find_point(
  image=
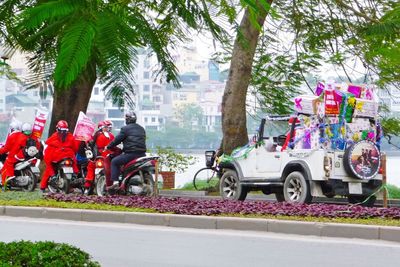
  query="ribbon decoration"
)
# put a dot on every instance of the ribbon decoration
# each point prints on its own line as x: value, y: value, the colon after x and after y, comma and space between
x: 239, y: 152
x: 359, y: 105
x: 297, y: 102
x: 307, y: 139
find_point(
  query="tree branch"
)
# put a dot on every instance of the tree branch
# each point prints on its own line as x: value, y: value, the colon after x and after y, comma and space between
x: 355, y: 11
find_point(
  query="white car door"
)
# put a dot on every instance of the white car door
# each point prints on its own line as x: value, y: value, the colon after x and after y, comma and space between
x: 268, y: 164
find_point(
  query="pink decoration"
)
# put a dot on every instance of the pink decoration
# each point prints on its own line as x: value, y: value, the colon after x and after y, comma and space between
x: 320, y: 89
x: 84, y: 128
x: 331, y: 103
x: 338, y: 96
x: 371, y: 136
x: 355, y: 90
x: 368, y: 94
x: 39, y: 123
x: 297, y: 102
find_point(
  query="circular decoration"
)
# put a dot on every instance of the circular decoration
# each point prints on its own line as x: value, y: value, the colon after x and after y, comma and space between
x: 362, y: 160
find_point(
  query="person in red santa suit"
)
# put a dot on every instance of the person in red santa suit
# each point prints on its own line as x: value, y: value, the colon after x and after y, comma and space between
x: 101, y: 139
x: 18, y: 152
x: 15, y: 132
x: 60, y: 145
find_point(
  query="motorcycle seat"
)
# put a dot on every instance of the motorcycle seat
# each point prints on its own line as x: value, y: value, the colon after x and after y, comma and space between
x: 139, y: 160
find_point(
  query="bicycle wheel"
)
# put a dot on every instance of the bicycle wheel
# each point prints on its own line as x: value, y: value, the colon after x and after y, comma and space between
x: 205, y: 179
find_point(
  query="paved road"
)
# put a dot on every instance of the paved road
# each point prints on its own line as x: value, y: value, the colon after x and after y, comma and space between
x: 115, y: 244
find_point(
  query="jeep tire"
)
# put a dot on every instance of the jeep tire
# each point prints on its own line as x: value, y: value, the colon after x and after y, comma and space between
x: 296, y: 188
x: 231, y: 188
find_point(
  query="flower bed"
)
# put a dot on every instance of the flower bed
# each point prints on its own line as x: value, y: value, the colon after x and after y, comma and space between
x: 221, y: 207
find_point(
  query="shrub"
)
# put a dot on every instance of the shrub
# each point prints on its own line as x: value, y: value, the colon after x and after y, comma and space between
x: 172, y: 161
x: 42, y: 253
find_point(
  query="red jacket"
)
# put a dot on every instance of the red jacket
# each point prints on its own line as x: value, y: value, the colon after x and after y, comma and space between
x: 102, y: 141
x: 19, y: 151
x: 57, y: 149
x: 10, y: 143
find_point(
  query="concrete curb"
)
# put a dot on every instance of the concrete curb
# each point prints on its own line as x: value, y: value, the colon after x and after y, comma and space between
x: 371, y: 232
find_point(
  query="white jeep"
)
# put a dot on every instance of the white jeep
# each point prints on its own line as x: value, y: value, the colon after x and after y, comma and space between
x: 300, y: 174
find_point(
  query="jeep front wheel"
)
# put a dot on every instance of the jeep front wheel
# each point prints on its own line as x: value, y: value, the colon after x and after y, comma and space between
x: 296, y: 188
x: 230, y: 187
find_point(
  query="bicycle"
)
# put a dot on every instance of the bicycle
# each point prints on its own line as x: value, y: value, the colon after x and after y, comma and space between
x: 207, y: 178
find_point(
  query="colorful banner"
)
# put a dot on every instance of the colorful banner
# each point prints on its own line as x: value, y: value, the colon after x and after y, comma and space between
x: 84, y: 128
x: 331, y: 102
x: 39, y: 123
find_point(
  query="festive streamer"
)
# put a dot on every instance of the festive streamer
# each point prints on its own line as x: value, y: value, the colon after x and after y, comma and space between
x: 239, y: 153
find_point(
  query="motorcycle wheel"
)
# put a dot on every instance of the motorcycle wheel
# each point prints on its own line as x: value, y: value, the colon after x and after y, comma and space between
x: 62, y: 184
x: 66, y: 186
x: 100, y: 186
x: 32, y: 183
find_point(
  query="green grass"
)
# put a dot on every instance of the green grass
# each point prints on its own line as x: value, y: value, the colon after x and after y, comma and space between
x: 202, y: 185
x: 35, y: 199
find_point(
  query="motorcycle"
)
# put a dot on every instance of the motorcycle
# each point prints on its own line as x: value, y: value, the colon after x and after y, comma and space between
x: 26, y: 175
x: 61, y: 182
x: 136, y: 178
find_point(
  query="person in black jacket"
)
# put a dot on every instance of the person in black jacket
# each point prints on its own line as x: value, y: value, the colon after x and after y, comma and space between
x: 133, y: 138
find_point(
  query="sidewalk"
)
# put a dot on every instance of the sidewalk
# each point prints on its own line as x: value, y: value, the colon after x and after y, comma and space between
x: 385, y: 233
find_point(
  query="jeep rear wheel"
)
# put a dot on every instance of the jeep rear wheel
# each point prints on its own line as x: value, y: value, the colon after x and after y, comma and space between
x: 230, y: 187
x: 296, y: 188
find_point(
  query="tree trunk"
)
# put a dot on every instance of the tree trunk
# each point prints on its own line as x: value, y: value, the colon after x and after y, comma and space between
x: 68, y: 103
x: 234, y: 100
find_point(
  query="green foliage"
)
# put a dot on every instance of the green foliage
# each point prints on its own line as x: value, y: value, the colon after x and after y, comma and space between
x: 43, y: 253
x: 393, y: 192
x: 5, y: 70
x: 391, y: 126
x: 300, y: 38
x: 190, y: 115
x: 172, y: 161
x: 23, y: 196
x: 68, y: 38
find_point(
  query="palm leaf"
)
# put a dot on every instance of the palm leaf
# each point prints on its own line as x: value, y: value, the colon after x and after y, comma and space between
x: 34, y: 17
x: 75, y: 51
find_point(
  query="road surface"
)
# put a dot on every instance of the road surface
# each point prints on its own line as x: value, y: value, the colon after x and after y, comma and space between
x: 114, y: 244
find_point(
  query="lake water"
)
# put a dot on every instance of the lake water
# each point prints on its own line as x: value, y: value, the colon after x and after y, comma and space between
x: 393, y: 170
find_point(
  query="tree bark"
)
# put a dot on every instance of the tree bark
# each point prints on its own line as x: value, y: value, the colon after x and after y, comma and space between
x: 68, y: 103
x: 234, y: 99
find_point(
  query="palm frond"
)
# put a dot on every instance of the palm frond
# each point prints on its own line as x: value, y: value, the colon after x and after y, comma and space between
x: 34, y: 17
x: 74, y: 53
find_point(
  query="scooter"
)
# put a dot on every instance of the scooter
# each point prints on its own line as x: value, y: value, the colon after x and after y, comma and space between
x: 62, y: 180
x: 136, y: 178
x: 26, y: 175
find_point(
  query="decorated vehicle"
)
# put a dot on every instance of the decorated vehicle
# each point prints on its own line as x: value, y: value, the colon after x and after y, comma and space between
x: 331, y: 147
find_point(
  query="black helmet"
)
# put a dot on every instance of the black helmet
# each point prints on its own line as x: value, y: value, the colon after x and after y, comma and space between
x: 130, y: 117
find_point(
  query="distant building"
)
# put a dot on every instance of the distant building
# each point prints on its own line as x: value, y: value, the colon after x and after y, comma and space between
x: 213, y: 71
